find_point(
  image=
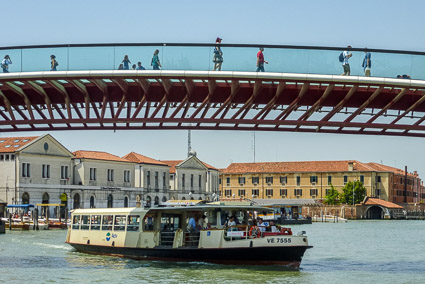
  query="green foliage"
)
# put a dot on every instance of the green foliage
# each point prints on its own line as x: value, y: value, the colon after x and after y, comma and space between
x: 347, y: 192
x: 333, y: 197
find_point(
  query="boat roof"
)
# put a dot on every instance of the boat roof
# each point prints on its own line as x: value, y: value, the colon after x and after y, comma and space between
x: 199, y: 208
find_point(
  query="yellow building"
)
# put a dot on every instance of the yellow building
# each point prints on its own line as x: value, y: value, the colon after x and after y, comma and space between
x: 313, y: 179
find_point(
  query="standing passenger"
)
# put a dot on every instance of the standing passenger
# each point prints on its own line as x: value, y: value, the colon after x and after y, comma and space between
x: 367, y: 63
x: 218, y: 55
x: 155, y: 60
x: 126, y: 63
x: 260, y: 60
x: 121, y: 67
x: 5, y: 64
x: 53, y: 63
x: 133, y: 67
x: 345, y: 64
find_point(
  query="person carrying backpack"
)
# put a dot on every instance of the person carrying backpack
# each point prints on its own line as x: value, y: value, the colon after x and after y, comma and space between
x: 53, y: 63
x: 367, y: 62
x: 343, y: 57
x: 5, y: 64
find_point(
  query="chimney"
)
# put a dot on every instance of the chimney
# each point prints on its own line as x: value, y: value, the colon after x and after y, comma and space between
x: 350, y: 166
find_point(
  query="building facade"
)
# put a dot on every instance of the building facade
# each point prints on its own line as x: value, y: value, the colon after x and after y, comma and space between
x: 40, y: 170
x: 192, y: 179
x: 313, y: 180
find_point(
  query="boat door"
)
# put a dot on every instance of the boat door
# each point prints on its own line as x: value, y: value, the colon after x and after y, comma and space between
x: 169, y: 225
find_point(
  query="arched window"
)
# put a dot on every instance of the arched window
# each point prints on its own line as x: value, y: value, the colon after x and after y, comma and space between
x: 76, y: 201
x: 191, y: 198
x: 110, y: 201
x: 164, y: 199
x: 92, y: 201
x: 148, y: 201
x: 126, y: 201
x: 25, y: 198
x: 183, y: 198
x: 156, y: 201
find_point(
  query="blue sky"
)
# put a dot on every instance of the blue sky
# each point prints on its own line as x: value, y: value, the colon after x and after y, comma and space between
x: 375, y: 23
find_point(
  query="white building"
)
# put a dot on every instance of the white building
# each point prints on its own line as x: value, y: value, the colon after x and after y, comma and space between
x: 192, y: 179
x: 37, y: 170
x: 151, y: 175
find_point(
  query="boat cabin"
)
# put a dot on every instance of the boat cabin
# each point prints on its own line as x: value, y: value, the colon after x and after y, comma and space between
x: 203, y: 226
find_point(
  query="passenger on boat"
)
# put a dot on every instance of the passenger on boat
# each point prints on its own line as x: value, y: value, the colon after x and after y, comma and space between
x: 261, y: 225
x: 273, y: 227
x: 231, y: 221
x: 192, y: 225
x: 201, y: 222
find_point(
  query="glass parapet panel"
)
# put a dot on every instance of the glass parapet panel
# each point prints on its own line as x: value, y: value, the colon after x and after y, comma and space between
x: 315, y: 60
x: 38, y: 59
x: 91, y: 58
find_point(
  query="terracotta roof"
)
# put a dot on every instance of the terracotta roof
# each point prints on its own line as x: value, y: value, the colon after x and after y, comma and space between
x: 13, y: 144
x: 383, y: 203
x: 95, y: 155
x: 137, y: 158
x: 172, y: 165
x: 309, y: 166
x: 380, y: 167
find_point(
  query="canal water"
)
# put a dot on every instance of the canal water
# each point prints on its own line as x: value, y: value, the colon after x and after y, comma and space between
x: 353, y: 252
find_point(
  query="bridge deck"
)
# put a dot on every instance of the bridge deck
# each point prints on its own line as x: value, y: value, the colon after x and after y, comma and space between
x: 227, y: 100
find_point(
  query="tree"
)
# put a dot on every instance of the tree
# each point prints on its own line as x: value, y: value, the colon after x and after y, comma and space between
x: 347, y: 192
x: 333, y: 196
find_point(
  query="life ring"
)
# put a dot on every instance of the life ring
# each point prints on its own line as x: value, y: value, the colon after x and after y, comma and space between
x: 284, y: 231
x: 255, y: 232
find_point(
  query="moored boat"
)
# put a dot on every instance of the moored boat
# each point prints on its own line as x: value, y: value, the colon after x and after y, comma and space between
x: 168, y: 233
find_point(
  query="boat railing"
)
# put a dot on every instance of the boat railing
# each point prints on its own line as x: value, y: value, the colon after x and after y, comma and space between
x: 192, y: 239
x: 167, y: 238
x: 241, y: 232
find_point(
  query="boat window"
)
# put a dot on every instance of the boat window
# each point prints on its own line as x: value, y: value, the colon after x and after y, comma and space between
x: 148, y: 223
x: 95, y: 222
x: 212, y: 218
x: 133, y: 222
x: 107, y: 222
x: 119, y: 224
x: 76, y: 222
x: 85, y: 222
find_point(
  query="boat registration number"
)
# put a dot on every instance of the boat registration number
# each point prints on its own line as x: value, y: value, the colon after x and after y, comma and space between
x: 279, y: 240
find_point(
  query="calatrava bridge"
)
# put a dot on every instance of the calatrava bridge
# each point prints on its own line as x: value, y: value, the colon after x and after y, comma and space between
x: 300, y: 91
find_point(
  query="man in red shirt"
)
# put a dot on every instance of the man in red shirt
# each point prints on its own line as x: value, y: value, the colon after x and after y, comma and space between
x: 260, y: 60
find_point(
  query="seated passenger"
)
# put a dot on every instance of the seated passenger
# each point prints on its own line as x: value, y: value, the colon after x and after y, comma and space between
x: 273, y: 228
x: 231, y: 221
x: 261, y: 225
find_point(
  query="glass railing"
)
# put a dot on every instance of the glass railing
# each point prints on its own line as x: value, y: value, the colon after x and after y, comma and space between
x: 199, y: 57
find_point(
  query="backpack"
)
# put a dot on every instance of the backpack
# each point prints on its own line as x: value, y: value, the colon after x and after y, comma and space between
x: 341, y: 57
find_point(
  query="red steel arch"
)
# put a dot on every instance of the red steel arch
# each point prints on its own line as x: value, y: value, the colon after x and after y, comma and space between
x: 80, y: 100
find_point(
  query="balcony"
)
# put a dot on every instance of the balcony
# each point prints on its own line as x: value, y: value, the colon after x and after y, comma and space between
x: 92, y: 182
x: 64, y: 181
x: 127, y: 184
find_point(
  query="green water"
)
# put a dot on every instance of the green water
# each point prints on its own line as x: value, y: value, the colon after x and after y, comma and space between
x: 353, y: 252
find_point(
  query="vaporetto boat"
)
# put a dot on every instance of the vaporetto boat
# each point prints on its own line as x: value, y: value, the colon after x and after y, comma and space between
x: 168, y: 233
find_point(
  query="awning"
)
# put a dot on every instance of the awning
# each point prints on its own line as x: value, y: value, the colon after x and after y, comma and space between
x: 46, y: 204
x: 20, y: 206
